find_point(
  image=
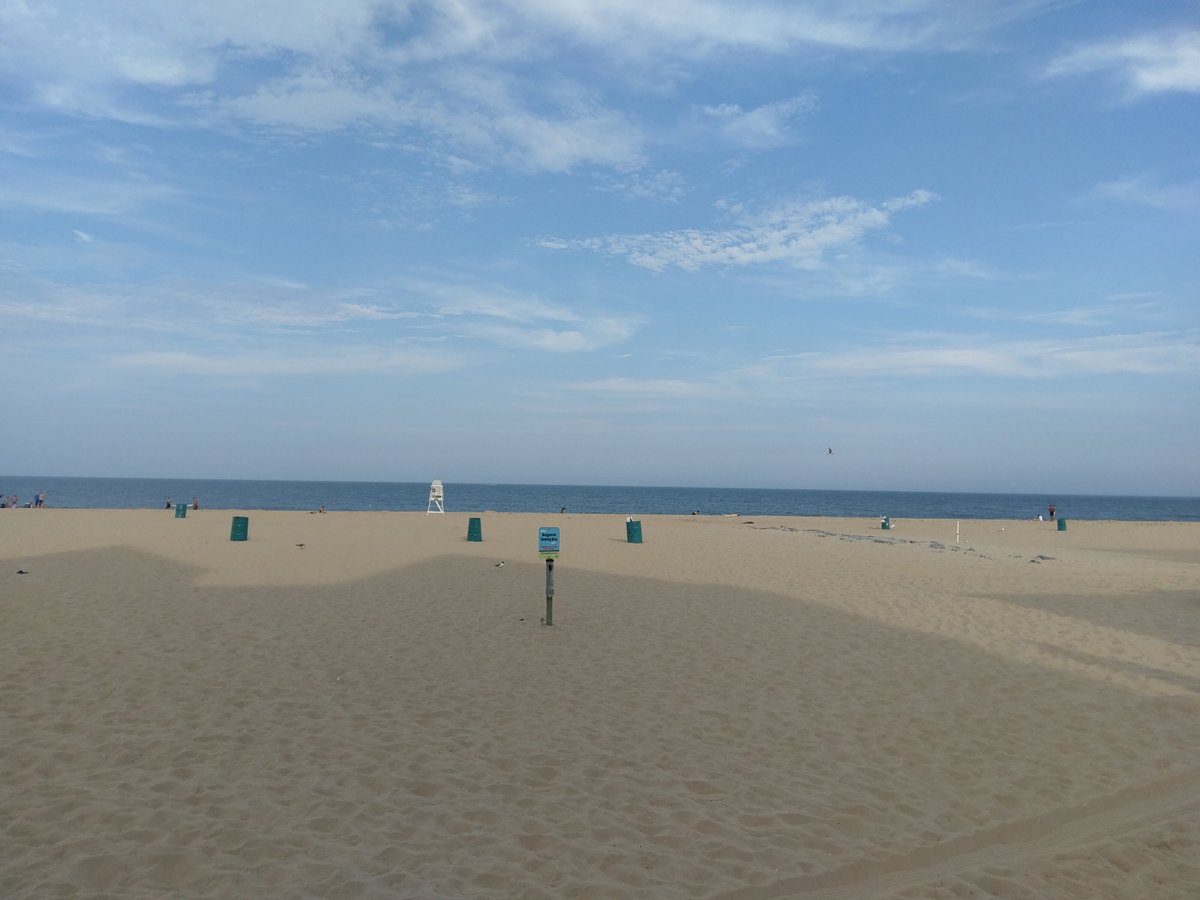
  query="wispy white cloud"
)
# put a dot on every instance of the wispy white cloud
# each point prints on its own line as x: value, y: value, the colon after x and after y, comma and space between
x: 316, y: 101
x: 530, y: 322
x: 303, y: 330
x: 699, y: 27
x: 188, y: 308
x: 587, y: 137
x: 23, y: 144
x: 967, y: 268
x: 348, y: 360
x: 472, y: 73
x: 26, y: 301
x: 306, y: 316
x: 656, y: 388
x: 82, y: 195
x: 663, y: 185
x: 1151, y: 63
x: 592, y: 334
x: 763, y: 127
x: 285, y: 311
x: 1154, y: 353
x: 1099, y: 315
x: 1144, y: 189
x: 779, y: 378
x: 466, y: 300
x: 477, y: 121
x: 798, y: 232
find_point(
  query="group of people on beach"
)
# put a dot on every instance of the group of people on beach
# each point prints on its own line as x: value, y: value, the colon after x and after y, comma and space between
x: 195, y: 503
x: 14, y: 502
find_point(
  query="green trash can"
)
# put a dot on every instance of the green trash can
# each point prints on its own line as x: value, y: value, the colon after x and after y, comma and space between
x: 885, y: 522
x: 633, y: 532
x: 474, y: 529
x: 241, y: 528
x: 1062, y: 524
x: 181, y: 510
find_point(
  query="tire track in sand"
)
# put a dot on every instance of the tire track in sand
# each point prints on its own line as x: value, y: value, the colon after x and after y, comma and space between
x: 1004, y: 845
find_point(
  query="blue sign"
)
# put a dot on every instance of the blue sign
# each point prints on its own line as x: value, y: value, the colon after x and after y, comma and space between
x: 548, y: 542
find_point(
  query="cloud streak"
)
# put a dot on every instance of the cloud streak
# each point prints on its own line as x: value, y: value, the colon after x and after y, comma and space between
x: 529, y: 322
x: 1152, y: 353
x: 764, y: 127
x: 348, y: 360
x: 657, y: 388
x: 1144, y: 189
x: 283, y: 311
x: 84, y: 195
x: 798, y: 233
x: 1154, y: 63
x: 778, y: 378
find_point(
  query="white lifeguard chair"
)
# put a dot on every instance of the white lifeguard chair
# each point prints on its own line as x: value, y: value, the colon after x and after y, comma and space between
x: 436, y: 496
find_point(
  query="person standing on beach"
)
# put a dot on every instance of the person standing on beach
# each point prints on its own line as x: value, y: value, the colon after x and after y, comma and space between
x: 195, y: 503
x: 40, y: 500
x: 1050, y: 509
x: 169, y: 504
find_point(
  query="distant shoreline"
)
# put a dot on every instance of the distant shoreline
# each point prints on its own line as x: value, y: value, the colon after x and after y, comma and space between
x: 117, y: 493
x: 747, y: 518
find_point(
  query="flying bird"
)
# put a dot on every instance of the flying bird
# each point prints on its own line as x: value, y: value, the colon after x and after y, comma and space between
x: 830, y: 453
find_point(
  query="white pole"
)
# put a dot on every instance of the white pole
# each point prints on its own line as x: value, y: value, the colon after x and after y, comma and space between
x: 956, y: 530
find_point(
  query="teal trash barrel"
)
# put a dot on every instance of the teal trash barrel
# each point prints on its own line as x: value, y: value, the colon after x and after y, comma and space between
x: 633, y: 532
x: 181, y: 510
x: 1062, y: 524
x: 475, y: 529
x: 241, y: 528
x: 885, y: 522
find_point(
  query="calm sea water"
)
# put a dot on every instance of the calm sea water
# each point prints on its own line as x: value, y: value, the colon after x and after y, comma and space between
x: 134, y: 493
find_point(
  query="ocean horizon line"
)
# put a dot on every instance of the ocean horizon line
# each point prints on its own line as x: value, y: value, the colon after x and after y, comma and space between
x: 175, y: 479
x: 112, y: 492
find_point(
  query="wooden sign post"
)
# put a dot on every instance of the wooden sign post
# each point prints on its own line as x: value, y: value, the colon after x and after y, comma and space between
x: 548, y: 546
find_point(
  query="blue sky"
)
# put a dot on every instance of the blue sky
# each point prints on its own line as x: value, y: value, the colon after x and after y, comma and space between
x: 604, y: 242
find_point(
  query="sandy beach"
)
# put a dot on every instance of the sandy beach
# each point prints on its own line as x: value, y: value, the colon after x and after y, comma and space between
x: 366, y: 705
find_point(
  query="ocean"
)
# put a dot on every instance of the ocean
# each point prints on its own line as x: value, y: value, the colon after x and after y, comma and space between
x: 137, y: 493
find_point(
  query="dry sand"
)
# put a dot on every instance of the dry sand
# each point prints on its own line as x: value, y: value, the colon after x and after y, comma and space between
x: 365, y: 705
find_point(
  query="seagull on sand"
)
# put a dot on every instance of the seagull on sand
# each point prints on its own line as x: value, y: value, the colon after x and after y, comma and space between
x: 500, y: 565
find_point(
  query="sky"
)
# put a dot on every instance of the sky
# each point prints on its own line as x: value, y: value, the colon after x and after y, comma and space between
x: 604, y: 242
